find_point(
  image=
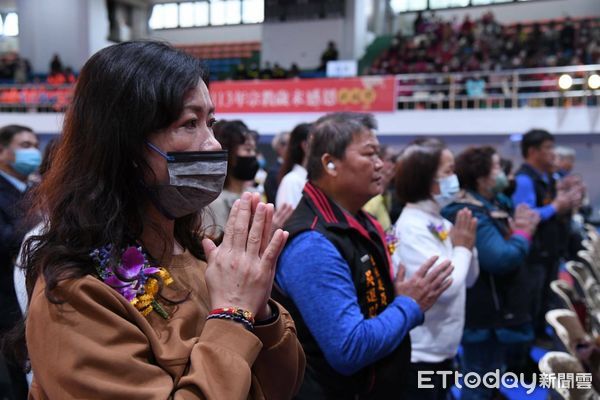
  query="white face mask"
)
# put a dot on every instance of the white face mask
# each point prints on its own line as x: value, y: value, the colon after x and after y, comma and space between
x: 449, y: 187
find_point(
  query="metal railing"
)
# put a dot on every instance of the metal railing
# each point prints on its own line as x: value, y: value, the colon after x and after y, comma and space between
x: 533, y: 87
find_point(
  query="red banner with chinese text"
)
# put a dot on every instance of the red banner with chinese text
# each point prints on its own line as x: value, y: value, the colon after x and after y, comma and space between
x: 366, y: 94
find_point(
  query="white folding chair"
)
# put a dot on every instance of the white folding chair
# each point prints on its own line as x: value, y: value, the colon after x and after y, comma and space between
x: 556, y: 362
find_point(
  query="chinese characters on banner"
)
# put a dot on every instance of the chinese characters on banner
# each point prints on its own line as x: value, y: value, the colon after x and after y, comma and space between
x: 366, y: 94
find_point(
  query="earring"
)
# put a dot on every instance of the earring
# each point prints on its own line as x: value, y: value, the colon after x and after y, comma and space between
x: 330, y: 166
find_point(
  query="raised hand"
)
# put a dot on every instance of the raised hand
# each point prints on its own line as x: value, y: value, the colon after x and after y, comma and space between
x: 241, y: 269
x: 562, y: 202
x: 525, y: 219
x: 464, y: 231
x: 425, y: 287
x: 282, y: 213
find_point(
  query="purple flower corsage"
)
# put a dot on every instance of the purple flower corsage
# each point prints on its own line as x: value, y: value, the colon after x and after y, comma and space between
x: 438, y: 231
x: 391, y: 240
x: 134, y: 278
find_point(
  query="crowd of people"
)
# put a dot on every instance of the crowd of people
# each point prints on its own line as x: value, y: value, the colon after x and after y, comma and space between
x: 157, y: 270
x: 438, y: 45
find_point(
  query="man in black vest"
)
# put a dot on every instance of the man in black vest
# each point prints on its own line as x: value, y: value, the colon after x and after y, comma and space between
x: 334, y: 276
x: 536, y: 187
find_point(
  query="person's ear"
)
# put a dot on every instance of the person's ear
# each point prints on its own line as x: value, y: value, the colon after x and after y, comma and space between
x: 329, y: 165
x: 3, y: 153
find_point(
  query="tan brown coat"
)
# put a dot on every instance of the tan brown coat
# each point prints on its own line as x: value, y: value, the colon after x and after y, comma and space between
x: 96, y: 345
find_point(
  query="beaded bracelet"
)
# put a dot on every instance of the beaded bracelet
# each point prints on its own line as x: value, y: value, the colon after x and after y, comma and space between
x: 234, y: 314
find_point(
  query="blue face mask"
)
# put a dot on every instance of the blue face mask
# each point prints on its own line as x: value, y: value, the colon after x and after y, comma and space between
x: 27, y: 160
x: 449, y: 187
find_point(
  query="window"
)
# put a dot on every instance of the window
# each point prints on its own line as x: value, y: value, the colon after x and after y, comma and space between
x: 207, y: 12
x: 437, y: 4
x: 186, y: 15
x: 217, y: 12
x: 170, y: 12
x: 164, y: 16
x: 201, y: 16
x: 253, y: 11
x: 233, y: 12
x: 11, y: 24
x: 408, y: 5
x: 155, y: 21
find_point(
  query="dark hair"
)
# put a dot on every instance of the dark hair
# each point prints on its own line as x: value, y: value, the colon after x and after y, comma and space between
x: 332, y: 134
x: 94, y: 194
x: 294, y: 153
x: 416, y: 170
x: 507, y: 165
x: 473, y: 163
x: 48, y: 155
x: 231, y: 135
x: 8, y: 132
x: 534, y: 138
x: 254, y: 134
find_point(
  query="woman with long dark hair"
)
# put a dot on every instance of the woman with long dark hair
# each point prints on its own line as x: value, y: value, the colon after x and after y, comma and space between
x: 292, y: 175
x: 122, y: 304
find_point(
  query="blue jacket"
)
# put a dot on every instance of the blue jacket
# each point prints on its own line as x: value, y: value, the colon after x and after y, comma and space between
x: 499, y: 297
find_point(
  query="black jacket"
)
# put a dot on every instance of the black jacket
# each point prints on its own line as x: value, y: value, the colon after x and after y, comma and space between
x: 11, y: 234
x: 361, y: 242
x: 548, y: 241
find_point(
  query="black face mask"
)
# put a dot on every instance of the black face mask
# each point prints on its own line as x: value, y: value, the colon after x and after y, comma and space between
x: 245, y: 168
x: 195, y: 179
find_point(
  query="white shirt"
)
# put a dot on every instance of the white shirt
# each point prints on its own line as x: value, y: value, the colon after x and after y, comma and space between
x: 19, y: 277
x: 291, y: 187
x: 439, y: 336
x: 18, y: 184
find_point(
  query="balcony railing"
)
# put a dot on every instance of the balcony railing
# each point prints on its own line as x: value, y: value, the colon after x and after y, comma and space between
x: 535, y: 87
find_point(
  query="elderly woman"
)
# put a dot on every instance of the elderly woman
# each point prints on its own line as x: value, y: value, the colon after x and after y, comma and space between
x: 353, y: 316
x: 122, y: 303
x: 498, y: 305
x: 425, y: 180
